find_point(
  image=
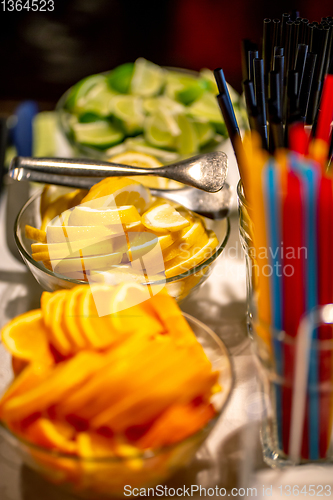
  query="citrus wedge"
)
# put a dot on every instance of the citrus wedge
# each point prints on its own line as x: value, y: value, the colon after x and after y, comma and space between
x: 86, y: 216
x: 32, y: 233
x: 147, y: 78
x: 164, y: 218
x: 65, y: 234
x: 26, y: 337
x: 52, y: 305
x: 194, y: 234
x: 178, y: 265
x: 45, y: 433
x: 124, y: 190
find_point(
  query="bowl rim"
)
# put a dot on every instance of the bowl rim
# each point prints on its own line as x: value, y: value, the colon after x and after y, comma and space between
x: 149, y: 453
x: 26, y: 255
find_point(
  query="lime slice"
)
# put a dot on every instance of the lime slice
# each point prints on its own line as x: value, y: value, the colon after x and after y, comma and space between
x: 161, y: 129
x: 147, y: 79
x: 192, y: 92
x: 97, y: 100
x: 81, y: 89
x: 206, y: 109
x: 141, y: 145
x: 128, y: 110
x: 205, y: 132
x: 99, y: 134
x: 208, y: 76
x: 153, y: 104
x: 120, y: 78
x: 176, y: 82
x: 187, y: 142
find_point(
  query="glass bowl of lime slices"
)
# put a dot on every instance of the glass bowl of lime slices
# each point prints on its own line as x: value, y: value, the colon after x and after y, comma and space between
x: 165, y: 112
x: 190, y: 271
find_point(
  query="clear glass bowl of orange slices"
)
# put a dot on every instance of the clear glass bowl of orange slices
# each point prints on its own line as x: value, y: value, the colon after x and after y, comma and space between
x: 117, y: 232
x: 101, y: 401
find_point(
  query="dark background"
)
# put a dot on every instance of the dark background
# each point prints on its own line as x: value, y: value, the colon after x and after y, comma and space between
x: 42, y: 54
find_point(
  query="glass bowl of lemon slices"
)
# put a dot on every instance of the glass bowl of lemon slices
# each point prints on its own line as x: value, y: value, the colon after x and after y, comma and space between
x: 165, y: 112
x: 101, y: 427
x: 114, y: 233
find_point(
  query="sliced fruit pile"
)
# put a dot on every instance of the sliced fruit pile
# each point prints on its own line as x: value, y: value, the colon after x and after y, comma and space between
x: 118, y: 232
x: 141, y: 106
x: 112, y: 385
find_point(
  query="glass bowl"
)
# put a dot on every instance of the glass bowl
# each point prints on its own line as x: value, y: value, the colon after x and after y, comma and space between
x: 99, y: 478
x: 178, y: 286
x: 165, y: 155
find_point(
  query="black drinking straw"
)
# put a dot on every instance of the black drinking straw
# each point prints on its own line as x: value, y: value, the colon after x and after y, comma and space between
x: 278, y: 51
x: 289, y: 25
x: 320, y: 39
x: 329, y: 52
x: 246, y: 46
x: 226, y: 107
x: 305, y: 89
x: 259, y: 87
x: 294, y: 44
x: 285, y: 18
x: 253, y: 54
x: 251, y: 107
x: 302, y: 52
x: 274, y: 106
x: 267, y: 45
x: 275, y: 39
x: 309, y: 35
x: 303, y: 30
x: 279, y: 68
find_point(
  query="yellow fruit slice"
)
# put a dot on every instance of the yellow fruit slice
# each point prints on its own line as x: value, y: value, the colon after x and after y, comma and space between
x: 137, y: 159
x: 93, y: 445
x: 61, y: 204
x: 189, y: 236
x: 84, y: 264
x: 52, y: 305
x: 164, y: 218
x: 121, y: 191
x: 177, y: 266
x: 32, y: 233
x: 63, y: 234
x: 26, y: 337
x: 48, y: 434
x: 97, y: 328
x: 56, y: 385
x: 51, y: 193
x: 70, y: 317
x: 87, y: 216
x: 75, y: 249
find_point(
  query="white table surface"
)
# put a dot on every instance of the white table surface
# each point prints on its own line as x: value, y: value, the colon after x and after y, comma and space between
x: 220, y: 303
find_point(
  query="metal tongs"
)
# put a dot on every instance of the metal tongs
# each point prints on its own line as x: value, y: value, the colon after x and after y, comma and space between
x: 207, y: 172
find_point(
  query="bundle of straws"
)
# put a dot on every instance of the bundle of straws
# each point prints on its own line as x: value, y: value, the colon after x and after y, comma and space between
x: 289, y: 192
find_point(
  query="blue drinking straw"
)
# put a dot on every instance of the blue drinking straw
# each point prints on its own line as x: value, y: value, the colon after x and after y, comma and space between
x: 309, y: 176
x: 272, y: 192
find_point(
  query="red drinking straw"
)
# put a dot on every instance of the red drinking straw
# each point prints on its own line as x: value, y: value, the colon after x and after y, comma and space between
x: 293, y: 286
x: 298, y: 139
x: 325, y: 296
x: 325, y: 115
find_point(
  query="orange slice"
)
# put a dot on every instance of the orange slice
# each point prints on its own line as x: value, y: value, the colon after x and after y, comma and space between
x: 26, y: 337
x: 48, y: 434
x: 52, y: 305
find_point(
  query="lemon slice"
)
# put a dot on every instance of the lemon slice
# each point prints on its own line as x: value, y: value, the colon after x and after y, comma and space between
x: 65, y: 266
x: 65, y: 234
x: 128, y: 295
x: 100, y: 134
x: 87, y: 216
x: 124, y: 190
x: 174, y: 267
x: 147, y: 79
x: 164, y: 217
x: 32, y: 233
x: 188, y: 237
x: 128, y: 109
